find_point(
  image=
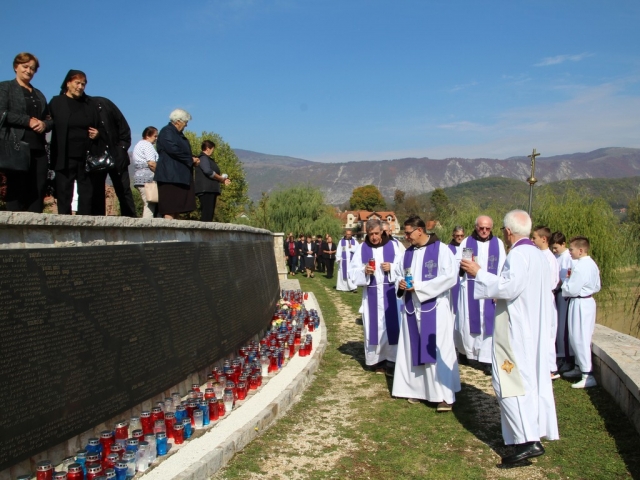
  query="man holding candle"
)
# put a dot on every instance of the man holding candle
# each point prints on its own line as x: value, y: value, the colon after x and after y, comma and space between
x: 520, y: 350
x: 373, y: 267
x: 426, y: 364
x: 475, y: 318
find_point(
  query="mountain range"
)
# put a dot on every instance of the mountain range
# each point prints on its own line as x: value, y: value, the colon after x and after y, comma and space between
x: 266, y: 172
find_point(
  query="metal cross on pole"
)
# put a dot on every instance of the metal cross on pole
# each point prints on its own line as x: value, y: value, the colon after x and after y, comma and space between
x: 532, y: 179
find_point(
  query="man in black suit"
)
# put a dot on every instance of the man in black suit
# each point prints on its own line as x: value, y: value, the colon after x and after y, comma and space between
x: 329, y: 255
x: 309, y: 251
x: 319, y: 257
x: 299, y: 246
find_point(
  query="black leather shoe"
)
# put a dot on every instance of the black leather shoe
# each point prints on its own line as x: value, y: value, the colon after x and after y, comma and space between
x: 524, y: 451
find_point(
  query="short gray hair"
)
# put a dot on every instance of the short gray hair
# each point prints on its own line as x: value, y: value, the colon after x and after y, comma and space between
x: 519, y: 222
x: 179, y: 115
x: 458, y: 228
x: 386, y: 224
x: 373, y: 223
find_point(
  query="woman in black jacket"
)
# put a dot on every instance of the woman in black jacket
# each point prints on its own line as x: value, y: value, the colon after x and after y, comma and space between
x: 27, y: 115
x: 75, y: 132
x: 174, y: 170
x: 208, y: 180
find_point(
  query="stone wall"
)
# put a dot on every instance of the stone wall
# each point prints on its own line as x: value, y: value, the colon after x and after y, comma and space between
x: 257, y: 275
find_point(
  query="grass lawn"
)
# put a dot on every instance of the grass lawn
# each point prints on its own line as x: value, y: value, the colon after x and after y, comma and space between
x: 347, y: 426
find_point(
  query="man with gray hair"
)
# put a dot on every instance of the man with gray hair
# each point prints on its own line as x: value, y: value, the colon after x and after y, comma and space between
x: 374, y: 267
x: 521, y: 339
x: 386, y: 230
x: 475, y: 318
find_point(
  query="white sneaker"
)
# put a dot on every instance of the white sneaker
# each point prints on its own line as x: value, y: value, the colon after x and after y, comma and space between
x: 575, y: 373
x: 586, y: 382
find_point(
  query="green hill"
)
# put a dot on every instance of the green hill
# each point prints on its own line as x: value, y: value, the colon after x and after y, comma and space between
x: 485, y: 191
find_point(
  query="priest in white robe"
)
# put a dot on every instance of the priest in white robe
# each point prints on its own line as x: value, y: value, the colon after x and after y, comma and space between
x: 521, y: 340
x: 373, y: 267
x: 475, y: 318
x: 344, y: 254
x: 426, y: 364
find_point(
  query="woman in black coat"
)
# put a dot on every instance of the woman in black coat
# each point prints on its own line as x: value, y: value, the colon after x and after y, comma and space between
x: 27, y: 115
x: 75, y: 132
x: 174, y: 170
x: 208, y: 180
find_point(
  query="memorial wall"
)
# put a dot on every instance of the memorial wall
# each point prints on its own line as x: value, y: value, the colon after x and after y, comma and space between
x: 99, y: 315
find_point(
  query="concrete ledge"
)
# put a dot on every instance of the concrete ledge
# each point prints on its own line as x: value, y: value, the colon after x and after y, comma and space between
x: 616, y: 366
x: 204, y: 456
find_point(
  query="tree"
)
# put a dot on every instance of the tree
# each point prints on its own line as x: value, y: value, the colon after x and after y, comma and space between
x: 234, y: 196
x: 297, y: 209
x: 441, y: 209
x: 398, y: 197
x: 367, y: 198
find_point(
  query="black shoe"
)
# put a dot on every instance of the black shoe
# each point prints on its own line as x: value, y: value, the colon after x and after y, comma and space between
x: 524, y: 451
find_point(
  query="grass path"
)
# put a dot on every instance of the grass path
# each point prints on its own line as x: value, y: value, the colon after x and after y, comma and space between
x: 347, y: 426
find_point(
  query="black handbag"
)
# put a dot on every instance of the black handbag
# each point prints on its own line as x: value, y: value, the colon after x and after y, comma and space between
x: 99, y: 163
x: 14, y: 154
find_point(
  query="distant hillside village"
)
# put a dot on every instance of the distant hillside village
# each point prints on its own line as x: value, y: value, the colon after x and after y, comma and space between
x: 355, y: 221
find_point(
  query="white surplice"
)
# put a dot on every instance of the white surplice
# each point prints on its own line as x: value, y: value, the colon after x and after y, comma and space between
x: 562, y: 305
x: 583, y: 282
x: 476, y: 346
x: 553, y: 325
x: 382, y: 351
x: 432, y: 382
x: 342, y: 284
x: 524, y: 283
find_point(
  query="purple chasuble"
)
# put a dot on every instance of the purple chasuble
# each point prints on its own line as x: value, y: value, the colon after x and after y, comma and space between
x: 474, y: 305
x: 388, y: 293
x: 423, y: 341
x: 343, y: 262
x: 455, y: 290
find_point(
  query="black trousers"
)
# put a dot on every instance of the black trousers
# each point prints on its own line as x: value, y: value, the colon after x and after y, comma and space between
x: 122, y: 186
x: 329, y: 264
x: 64, y: 187
x: 292, y: 263
x: 25, y: 190
x: 207, y: 206
x: 320, y: 263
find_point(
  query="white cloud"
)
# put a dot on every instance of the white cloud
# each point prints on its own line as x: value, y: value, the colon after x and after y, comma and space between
x: 457, y: 88
x: 595, y: 117
x: 558, y: 59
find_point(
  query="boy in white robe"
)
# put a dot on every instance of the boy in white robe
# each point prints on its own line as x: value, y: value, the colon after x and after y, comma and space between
x: 380, y: 307
x: 344, y: 254
x: 564, y: 352
x: 582, y: 282
x: 426, y: 364
x: 521, y: 340
x: 541, y: 237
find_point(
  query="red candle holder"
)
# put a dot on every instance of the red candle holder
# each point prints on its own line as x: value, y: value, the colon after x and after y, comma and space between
x: 170, y: 422
x: 122, y: 430
x: 178, y: 434
x: 214, y: 412
x: 145, y: 421
x: 44, y: 470
x: 242, y: 391
x: 209, y: 393
x: 138, y: 434
x: 195, y: 386
x: 110, y: 461
x: 221, y: 409
x: 118, y: 449
x: 106, y: 440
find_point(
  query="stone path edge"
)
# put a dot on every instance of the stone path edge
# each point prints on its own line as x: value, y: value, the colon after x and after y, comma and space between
x: 223, y: 453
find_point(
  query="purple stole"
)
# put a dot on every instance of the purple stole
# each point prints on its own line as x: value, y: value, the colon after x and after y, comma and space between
x: 388, y: 293
x: 474, y: 305
x: 343, y: 262
x: 423, y: 342
x: 455, y: 290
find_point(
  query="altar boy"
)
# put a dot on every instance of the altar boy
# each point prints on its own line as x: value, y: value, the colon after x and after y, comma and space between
x: 579, y: 287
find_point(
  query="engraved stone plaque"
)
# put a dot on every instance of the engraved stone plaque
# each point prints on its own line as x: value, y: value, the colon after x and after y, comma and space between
x: 88, y: 332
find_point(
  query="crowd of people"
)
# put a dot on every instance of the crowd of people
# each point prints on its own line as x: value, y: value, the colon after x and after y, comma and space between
x: 519, y: 308
x: 90, y: 139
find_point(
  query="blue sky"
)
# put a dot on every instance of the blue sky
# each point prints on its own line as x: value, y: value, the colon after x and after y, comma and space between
x: 353, y: 80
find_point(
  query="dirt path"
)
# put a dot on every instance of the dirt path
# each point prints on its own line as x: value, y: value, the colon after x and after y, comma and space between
x: 317, y: 441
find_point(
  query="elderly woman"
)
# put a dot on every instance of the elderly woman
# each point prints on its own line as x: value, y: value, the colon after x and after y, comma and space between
x: 174, y: 170
x: 208, y: 180
x: 144, y: 159
x: 27, y: 115
x: 75, y: 132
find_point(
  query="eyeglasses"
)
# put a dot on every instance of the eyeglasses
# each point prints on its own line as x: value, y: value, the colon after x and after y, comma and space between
x: 483, y: 228
x: 458, y: 236
x: 408, y: 234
